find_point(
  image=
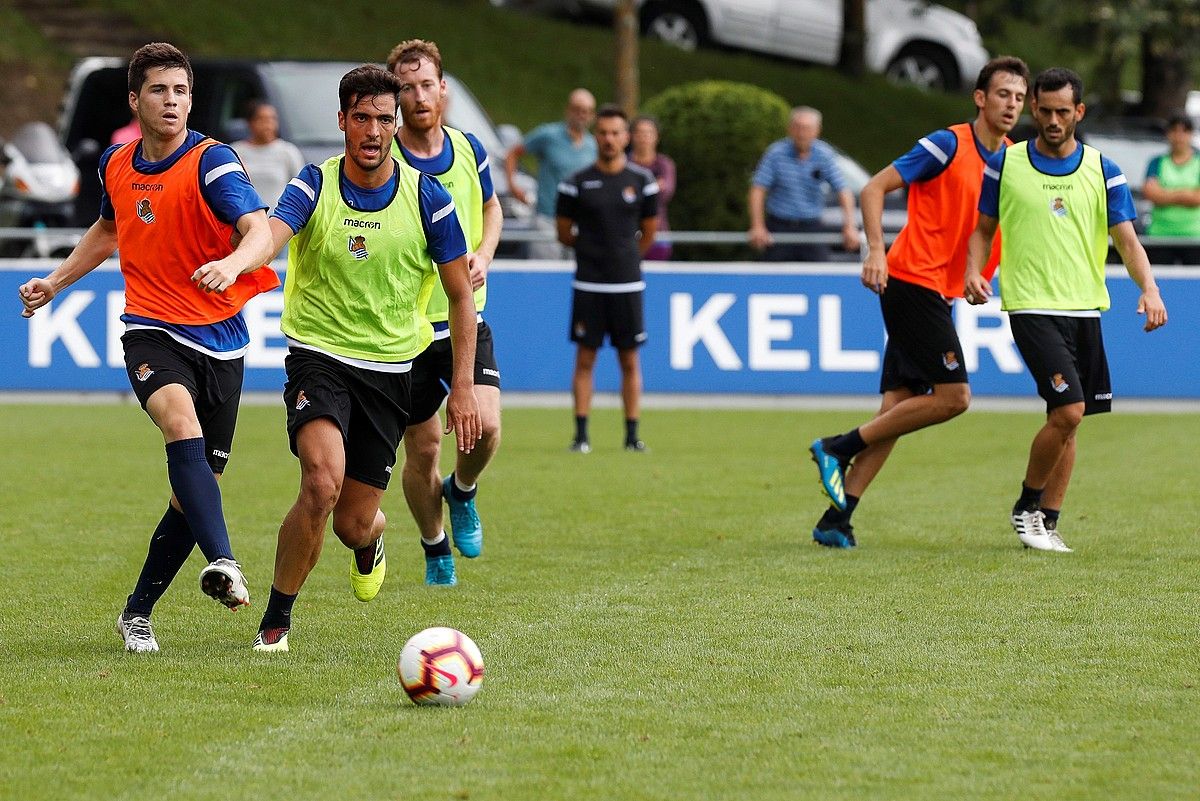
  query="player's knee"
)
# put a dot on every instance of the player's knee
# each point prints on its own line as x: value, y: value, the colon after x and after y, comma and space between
x: 957, y: 401
x: 422, y: 451
x: 356, y: 528
x: 320, y: 489
x: 1066, y: 418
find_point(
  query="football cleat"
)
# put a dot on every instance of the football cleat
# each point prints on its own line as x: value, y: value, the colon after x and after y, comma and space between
x: 366, y: 587
x: 137, y: 633
x: 223, y: 580
x: 580, y: 446
x: 439, y: 571
x: 832, y: 472
x: 271, y: 640
x: 637, y: 446
x: 835, y: 536
x: 1031, y: 530
x: 466, y: 530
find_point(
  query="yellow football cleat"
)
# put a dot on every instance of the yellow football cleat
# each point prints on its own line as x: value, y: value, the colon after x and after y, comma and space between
x: 367, y: 587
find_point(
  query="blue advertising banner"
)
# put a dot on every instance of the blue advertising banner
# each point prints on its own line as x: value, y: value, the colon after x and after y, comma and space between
x: 713, y: 328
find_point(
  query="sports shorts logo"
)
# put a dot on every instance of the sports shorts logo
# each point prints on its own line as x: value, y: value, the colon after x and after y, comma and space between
x: 629, y: 194
x: 1058, y: 383
x: 358, y: 246
x: 491, y: 372
x: 1058, y: 207
x: 950, y: 360
x: 144, y: 212
x: 142, y: 372
x: 580, y: 329
x: 301, y: 401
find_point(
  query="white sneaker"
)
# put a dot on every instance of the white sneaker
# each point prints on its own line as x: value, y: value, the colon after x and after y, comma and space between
x: 137, y: 634
x: 224, y: 581
x: 1031, y: 530
x: 1057, y: 541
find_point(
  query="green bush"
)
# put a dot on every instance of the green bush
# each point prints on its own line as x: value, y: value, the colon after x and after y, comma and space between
x: 716, y: 131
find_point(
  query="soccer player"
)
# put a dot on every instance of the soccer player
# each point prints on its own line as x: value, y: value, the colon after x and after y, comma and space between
x: 924, y: 381
x: 365, y: 234
x: 608, y: 213
x: 1057, y: 202
x: 459, y: 161
x: 172, y: 200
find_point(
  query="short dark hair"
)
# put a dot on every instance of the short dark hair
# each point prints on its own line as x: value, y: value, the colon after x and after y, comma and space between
x: 154, y: 56
x: 1056, y: 78
x: 367, y: 81
x: 1182, y: 120
x: 647, y: 118
x: 1009, y: 64
x: 256, y: 105
x: 413, y: 50
x: 609, y: 110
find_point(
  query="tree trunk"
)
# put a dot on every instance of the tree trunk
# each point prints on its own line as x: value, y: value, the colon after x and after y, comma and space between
x: 854, y: 38
x: 1166, y: 75
x: 626, y: 23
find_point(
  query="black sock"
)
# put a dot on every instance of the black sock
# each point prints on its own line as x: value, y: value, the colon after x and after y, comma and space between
x: 279, y: 611
x: 461, y: 495
x: 581, y: 434
x: 1030, y: 499
x: 170, y: 545
x: 195, y: 486
x: 838, y: 518
x: 364, y: 558
x: 440, y: 548
x: 1051, y: 520
x: 845, y: 446
x: 631, y: 431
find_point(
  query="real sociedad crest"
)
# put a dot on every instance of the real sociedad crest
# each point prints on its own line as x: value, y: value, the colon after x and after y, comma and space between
x: 358, y: 246
x: 144, y: 212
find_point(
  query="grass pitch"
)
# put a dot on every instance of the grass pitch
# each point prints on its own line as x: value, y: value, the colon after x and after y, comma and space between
x: 654, y: 627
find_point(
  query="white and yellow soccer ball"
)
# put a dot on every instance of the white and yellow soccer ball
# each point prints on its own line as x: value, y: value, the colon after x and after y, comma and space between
x: 440, y: 666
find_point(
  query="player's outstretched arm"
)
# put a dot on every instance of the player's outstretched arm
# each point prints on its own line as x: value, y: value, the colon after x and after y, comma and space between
x: 976, y: 288
x: 252, y: 251
x: 874, y: 271
x: 96, y: 245
x: 1137, y: 264
x: 462, y: 410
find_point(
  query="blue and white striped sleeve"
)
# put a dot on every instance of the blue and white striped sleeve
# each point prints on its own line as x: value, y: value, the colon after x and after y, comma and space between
x: 484, y: 165
x: 1120, y: 199
x: 443, y: 232
x: 299, y: 199
x: 989, y: 198
x: 225, y: 186
x: 928, y: 157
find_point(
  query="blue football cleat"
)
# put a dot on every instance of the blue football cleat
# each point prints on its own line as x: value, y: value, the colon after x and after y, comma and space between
x: 838, y: 537
x: 466, y: 530
x: 439, y: 570
x: 833, y: 474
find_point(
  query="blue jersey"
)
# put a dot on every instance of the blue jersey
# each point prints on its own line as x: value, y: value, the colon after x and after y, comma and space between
x: 930, y: 156
x: 443, y: 161
x: 438, y: 218
x: 1120, y: 201
x: 227, y: 190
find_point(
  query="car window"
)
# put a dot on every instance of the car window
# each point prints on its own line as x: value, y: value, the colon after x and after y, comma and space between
x: 306, y: 100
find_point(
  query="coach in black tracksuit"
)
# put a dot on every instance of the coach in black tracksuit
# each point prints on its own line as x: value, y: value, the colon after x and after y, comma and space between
x: 607, y: 213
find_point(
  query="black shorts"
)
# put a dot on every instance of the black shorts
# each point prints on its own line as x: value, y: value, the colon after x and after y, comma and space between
x: 1066, y: 357
x: 153, y: 359
x: 370, y: 407
x: 433, y: 372
x: 922, y: 348
x: 617, y: 314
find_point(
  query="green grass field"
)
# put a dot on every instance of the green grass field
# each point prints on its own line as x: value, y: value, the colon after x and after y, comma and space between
x: 655, y: 627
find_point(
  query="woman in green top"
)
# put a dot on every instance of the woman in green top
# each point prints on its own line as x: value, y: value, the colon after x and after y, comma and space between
x: 1173, y: 186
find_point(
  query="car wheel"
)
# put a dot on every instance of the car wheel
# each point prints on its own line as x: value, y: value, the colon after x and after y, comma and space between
x: 925, y: 67
x: 677, y: 24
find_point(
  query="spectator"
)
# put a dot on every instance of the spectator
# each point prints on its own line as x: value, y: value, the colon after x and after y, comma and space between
x: 1173, y: 186
x: 644, y: 153
x: 269, y: 161
x: 562, y: 149
x: 786, y: 194
x: 127, y: 132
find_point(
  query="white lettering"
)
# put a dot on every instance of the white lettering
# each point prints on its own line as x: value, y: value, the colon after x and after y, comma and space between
x: 766, y: 327
x: 60, y: 321
x: 262, y: 320
x: 688, y: 329
x: 996, y: 339
x: 832, y: 357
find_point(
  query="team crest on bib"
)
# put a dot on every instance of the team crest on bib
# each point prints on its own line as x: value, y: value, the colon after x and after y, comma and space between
x: 1058, y: 207
x: 144, y: 212
x: 358, y: 246
x: 950, y: 360
x: 1058, y: 383
x: 629, y: 194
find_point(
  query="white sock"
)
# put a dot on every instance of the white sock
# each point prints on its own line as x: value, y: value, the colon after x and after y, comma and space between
x: 462, y: 487
x: 441, y: 536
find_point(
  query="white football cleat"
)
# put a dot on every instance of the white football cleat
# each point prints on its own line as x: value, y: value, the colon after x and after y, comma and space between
x: 1031, y: 530
x: 224, y: 581
x: 1057, y: 541
x: 137, y: 634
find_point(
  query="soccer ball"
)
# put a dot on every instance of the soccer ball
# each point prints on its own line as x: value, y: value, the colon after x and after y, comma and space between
x: 440, y: 666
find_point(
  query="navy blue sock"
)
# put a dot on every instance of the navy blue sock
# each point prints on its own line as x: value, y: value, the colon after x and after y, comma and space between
x: 279, y: 611
x: 1030, y: 499
x: 196, y: 488
x: 441, y: 548
x: 581, y: 422
x: 458, y: 494
x: 170, y: 546
x: 845, y: 446
x: 631, y: 431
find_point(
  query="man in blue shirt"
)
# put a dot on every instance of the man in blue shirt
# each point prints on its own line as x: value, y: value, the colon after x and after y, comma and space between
x: 562, y: 149
x: 787, y: 191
